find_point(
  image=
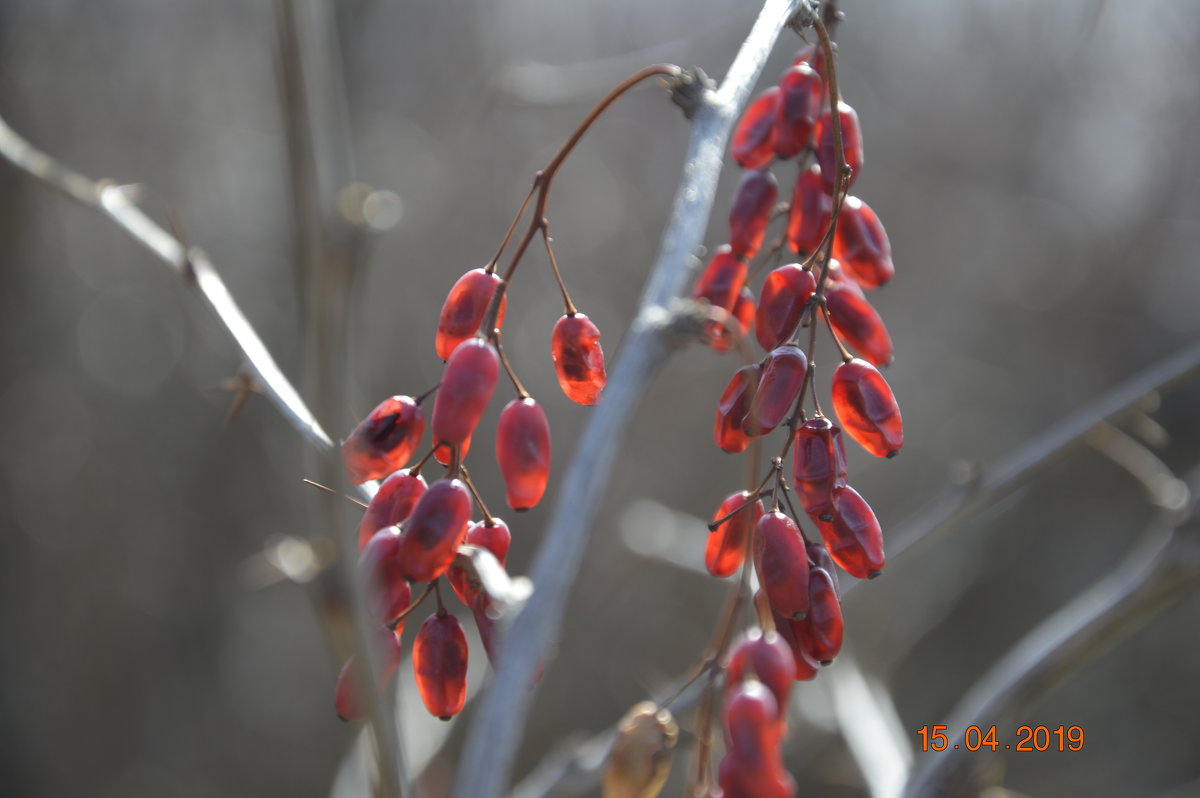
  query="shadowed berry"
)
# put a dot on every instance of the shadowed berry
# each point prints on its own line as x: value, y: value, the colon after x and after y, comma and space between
x: 751, y: 211
x: 385, y: 440
x: 467, y: 386
x: 799, y: 106
x: 380, y: 567
x: 818, y: 466
x: 496, y: 539
x: 346, y: 694
x: 523, y: 452
x: 851, y: 145
x: 440, y: 665
x: 810, y: 212
x: 766, y: 657
x: 866, y: 408
x: 784, y: 295
x: 723, y: 337
x: 722, y: 280
x: 806, y: 666
x: 782, y: 564
x: 391, y: 504
x: 783, y: 374
x: 435, y: 529
x: 823, y: 624
x: 464, y: 310
x: 732, y: 409
x: 754, y: 137
x: 578, y: 358
x: 726, y: 547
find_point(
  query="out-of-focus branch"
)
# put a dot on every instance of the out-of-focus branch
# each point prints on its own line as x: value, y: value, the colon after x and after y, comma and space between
x: 496, y: 732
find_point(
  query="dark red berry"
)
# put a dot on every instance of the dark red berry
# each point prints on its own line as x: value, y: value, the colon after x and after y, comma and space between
x: 782, y: 564
x: 851, y: 145
x: 380, y: 566
x: 754, y: 137
x: 442, y: 452
x: 783, y: 374
x: 854, y: 539
x: 823, y: 624
x: 578, y: 358
x: 784, y: 295
x: 818, y: 557
x: 858, y: 324
x: 385, y: 440
x: 391, y: 504
x: 810, y: 212
x: 818, y: 466
x: 494, y: 537
x: 721, y: 281
x: 523, y: 452
x: 465, y: 308
x: 765, y: 657
x: 801, y: 89
x: 440, y: 665
x: 753, y: 202
x: 435, y: 529
x: 467, y: 386
x: 813, y: 55
x: 346, y: 694
x: 723, y: 337
x: 806, y: 666
x: 733, y: 407
x: 861, y: 244
x: 726, y: 547
x: 867, y: 408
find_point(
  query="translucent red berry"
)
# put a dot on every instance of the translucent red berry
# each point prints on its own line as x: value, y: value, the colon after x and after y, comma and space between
x: 767, y: 658
x: 346, y: 694
x: 440, y: 665
x: 443, y: 451
x: 385, y: 440
x: 754, y: 137
x: 523, y: 452
x: 496, y: 538
x: 750, y: 721
x: 578, y: 358
x: 380, y: 566
x: 732, y: 409
x: 722, y: 279
x: 467, y: 386
x: 823, y: 624
x: 726, y: 547
x: 867, y: 408
x: 810, y: 212
x: 818, y: 466
x: 858, y: 324
x: 464, y: 310
x: 723, y: 337
x: 854, y: 539
x: 851, y: 145
x: 391, y: 504
x: 784, y: 295
x: 861, y: 244
x: 800, y: 91
x: 806, y: 666
x: 435, y: 529
x: 782, y: 564
x: 753, y: 202
x: 783, y: 373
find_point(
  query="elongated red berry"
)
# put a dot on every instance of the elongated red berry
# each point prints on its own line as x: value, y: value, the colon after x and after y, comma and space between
x: 768, y: 658
x: 784, y: 295
x: 754, y: 137
x: 823, y: 625
x: 799, y: 106
x: 783, y: 374
x: 851, y: 144
x: 862, y: 245
x: 391, y: 504
x: 440, y: 665
x: 346, y: 698
x: 750, y: 721
x: 380, y: 566
x: 385, y: 440
x: 726, y: 547
x: 818, y: 466
x: 867, y: 408
x: 854, y: 539
x: 723, y: 337
x: 732, y: 409
x: 467, y: 385
x: 818, y: 557
x: 782, y: 564
x: 806, y: 666
x: 523, y: 452
x: 435, y: 529
x: 810, y: 212
x: 858, y: 324
x: 722, y: 279
x: 464, y: 310
x: 494, y: 537
x: 753, y: 202
x: 578, y: 358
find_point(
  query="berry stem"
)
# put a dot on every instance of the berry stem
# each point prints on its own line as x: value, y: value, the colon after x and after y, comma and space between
x: 512, y: 375
x: 512, y: 228
x: 328, y: 489
x: 488, y: 518
x: 846, y: 356
x: 427, y: 394
x: 568, y: 306
x: 394, y: 622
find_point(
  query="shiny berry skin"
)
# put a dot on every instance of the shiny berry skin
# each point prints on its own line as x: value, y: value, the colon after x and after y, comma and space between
x: 440, y: 665
x: 858, y: 324
x: 346, y: 694
x: 854, y: 539
x: 818, y: 466
x: 443, y: 451
x: 385, y: 440
x: 721, y: 281
x: 379, y: 565
x: 810, y: 212
x: 862, y: 245
x: 806, y: 666
x: 750, y: 721
x: 391, y: 504
x: 435, y: 529
x: 578, y: 358
x: 783, y: 374
x: 467, y: 385
x: 726, y: 547
x: 465, y: 308
x: 867, y: 408
x: 823, y: 624
x: 523, y: 452
x: 784, y: 295
x: 782, y: 564
x: 754, y: 137
x: 732, y: 409
x: 768, y: 657
x: 753, y: 202
x: 818, y: 557
x: 851, y: 145
x: 799, y: 106
x: 494, y: 537
x: 723, y: 337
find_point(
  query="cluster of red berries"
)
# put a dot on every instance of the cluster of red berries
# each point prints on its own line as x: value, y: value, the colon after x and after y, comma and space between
x: 843, y: 249
x: 411, y: 531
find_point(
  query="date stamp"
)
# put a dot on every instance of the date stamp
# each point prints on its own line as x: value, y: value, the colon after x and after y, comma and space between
x: 1023, y: 738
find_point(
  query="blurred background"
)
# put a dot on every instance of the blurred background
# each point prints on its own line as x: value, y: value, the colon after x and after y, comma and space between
x: 1035, y: 166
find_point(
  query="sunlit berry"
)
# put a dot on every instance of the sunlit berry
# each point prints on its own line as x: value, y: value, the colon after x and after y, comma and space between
x: 785, y: 292
x: 732, y: 408
x: 854, y: 539
x: 866, y: 408
x: 818, y: 466
x: 797, y: 111
x: 753, y: 203
x: 385, y: 440
x: 578, y: 358
x: 851, y: 145
x: 496, y: 538
x: 391, y: 504
x: 464, y: 309
x: 722, y: 279
x: 435, y: 529
x: 810, y: 212
x: 862, y: 245
x: 388, y: 592
x: 440, y: 665
x: 467, y: 386
x: 754, y: 137
x: 726, y: 547
x: 523, y: 452
x: 858, y: 324
x: 823, y: 624
x: 783, y: 374
x: 782, y: 564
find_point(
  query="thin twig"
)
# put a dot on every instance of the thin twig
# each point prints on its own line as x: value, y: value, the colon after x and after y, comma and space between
x: 496, y: 732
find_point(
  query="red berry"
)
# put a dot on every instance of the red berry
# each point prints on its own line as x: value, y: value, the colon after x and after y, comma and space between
x: 732, y: 408
x: 810, y: 212
x: 806, y: 666
x: 467, y: 385
x: 784, y: 295
x: 754, y: 138
x: 442, y: 452
x: 819, y: 558
x: 866, y: 408
x: 782, y: 564
x: 496, y: 539
x: 523, y: 452
x: 813, y: 55
x: 854, y: 539
x: 823, y: 624
x: 578, y: 358
x: 858, y: 324
x: 768, y: 658
x: 435, y: 529
x: 464, y: 310
x: 380, y: 566
x: 753, y: 202
x: 861, y: 244
x: 801, y: 89
x: 751, y: 722
x: 723, y: 337
x: 385, y: 440
x: 726, y: 547
x: 440, y: 665
x: 818, y: 466
x: 851, y: 145
x: 722, y: 280
x: 391, y: 504
x: 346, y: 694
x: 783, y: 374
